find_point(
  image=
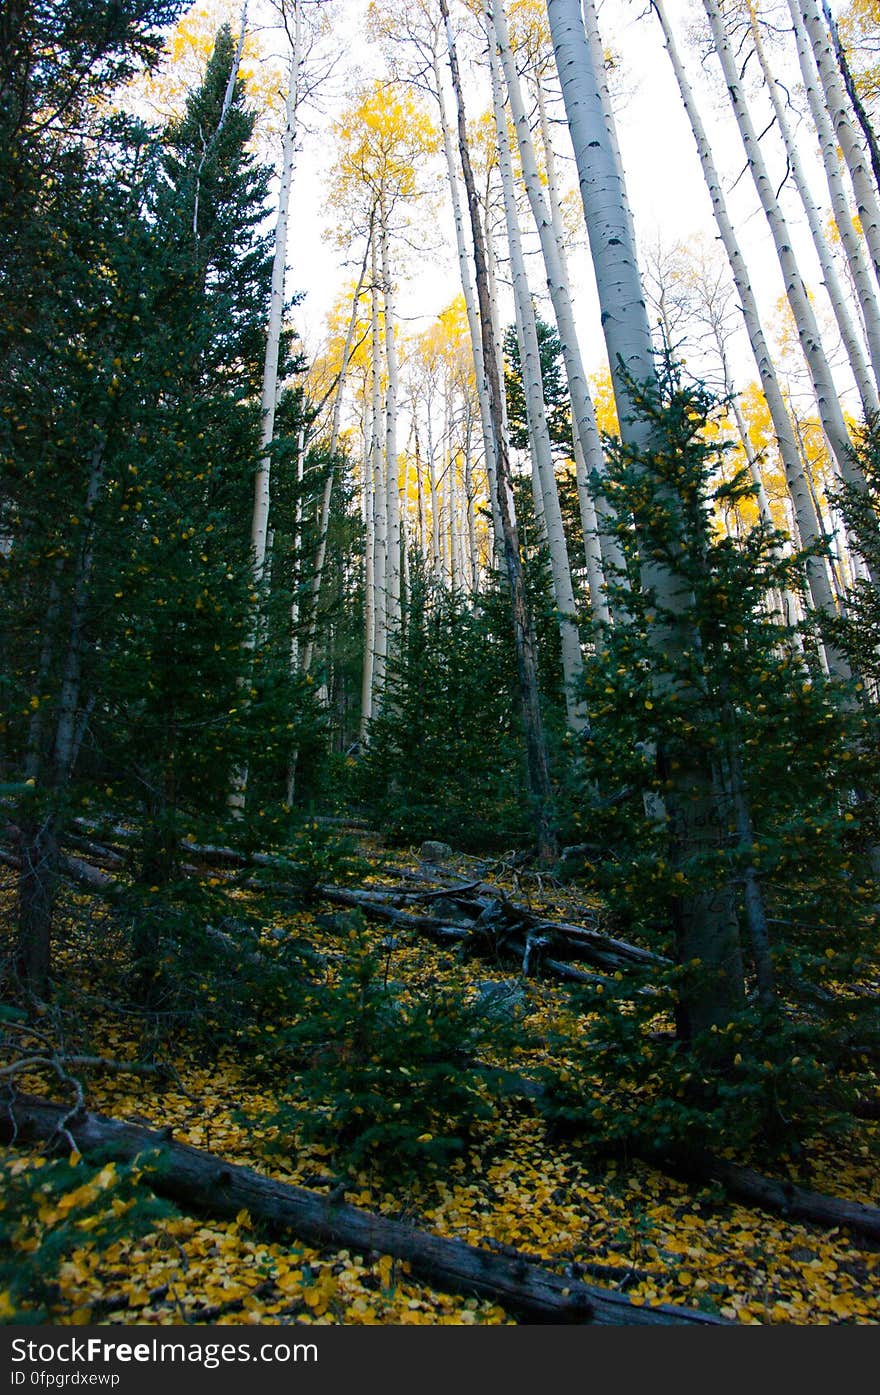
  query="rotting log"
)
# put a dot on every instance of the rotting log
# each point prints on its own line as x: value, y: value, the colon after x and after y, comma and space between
x: 193, y: 1177
x: 499, y: 920
x: 379, y: 909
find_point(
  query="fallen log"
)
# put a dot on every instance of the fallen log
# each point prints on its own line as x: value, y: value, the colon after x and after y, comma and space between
x: 378, y: 909
x: 744, y: 1183
x: 499, y: 919
x: 196, y: 1178
x: 798, y: 1203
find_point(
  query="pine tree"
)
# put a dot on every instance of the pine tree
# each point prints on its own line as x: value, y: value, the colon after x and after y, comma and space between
x: 430, y: 770
x: 70, y: 183
x: 129, y: 448
x: 789, y: 838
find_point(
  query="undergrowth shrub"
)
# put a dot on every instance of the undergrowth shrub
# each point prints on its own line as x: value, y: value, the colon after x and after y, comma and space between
x: 782, y: 841
x: 387, y: 1076
x: 444, y: 757
x: 316, y: 854
x: 759, y: 1085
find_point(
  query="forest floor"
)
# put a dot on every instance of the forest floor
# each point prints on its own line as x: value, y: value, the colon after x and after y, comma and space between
x: 618, y: 1223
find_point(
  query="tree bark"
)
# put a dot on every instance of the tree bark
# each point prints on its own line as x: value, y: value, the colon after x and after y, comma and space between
x: 852, y: 92
x: 583, y: 413
x: 599, y: 542
x: 392, y: 476
x: 324, y: 520
x: 269, y: 391
x: 469, y: 302
x: 836, y: 102
x: 380, y: 498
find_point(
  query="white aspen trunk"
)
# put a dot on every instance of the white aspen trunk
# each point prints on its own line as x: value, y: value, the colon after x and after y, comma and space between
x: 596, y: 580
x: 224, y: 112
x: 468, y: 293
x: 461, y: 521
x: 443, y: 493
x: 405, y: 537
x: 543, y: 471
x: 852, y: 91
x: 269, y: 392
x: 778, y: 606
x: 392, y: 471
x: 496, y: 325
x: 827, y: 397
x: 473, y: 561
x: 369, y: 588
x: 455, y: 524
x: 436, y: 558
x: 549, y: 232
x: 850, y: 241
x: 838, y: 107
x: 533, y: 449
x: 290, y: 787
x: 537, y: 765
x: 704, y: 921
x: 817, y: 572
x: 324, y: 519
x: 380, y: 515
x: 606, y: 209
x: 593, y: 539
x: 420, y: 493
x: 849, y: 335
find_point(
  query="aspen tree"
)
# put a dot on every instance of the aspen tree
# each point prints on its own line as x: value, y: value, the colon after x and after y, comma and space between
x: 589, y: 507
x: 324, y: 519
x: 269, y: 391
x: 866, y: 195
x: 383, y: 137
x: 467, y: 287
x: 542, y: 454
x: 850, y: 241
x: 538, y: 770
x: 379, y: 644
x: 808, y: 526
x: 589, y: 455
x: 853, y: 93
x: 827, y: 397
x: 704, y: 918
x: 392, y: 473
x: 369, y: 578
x: 867, y: 388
